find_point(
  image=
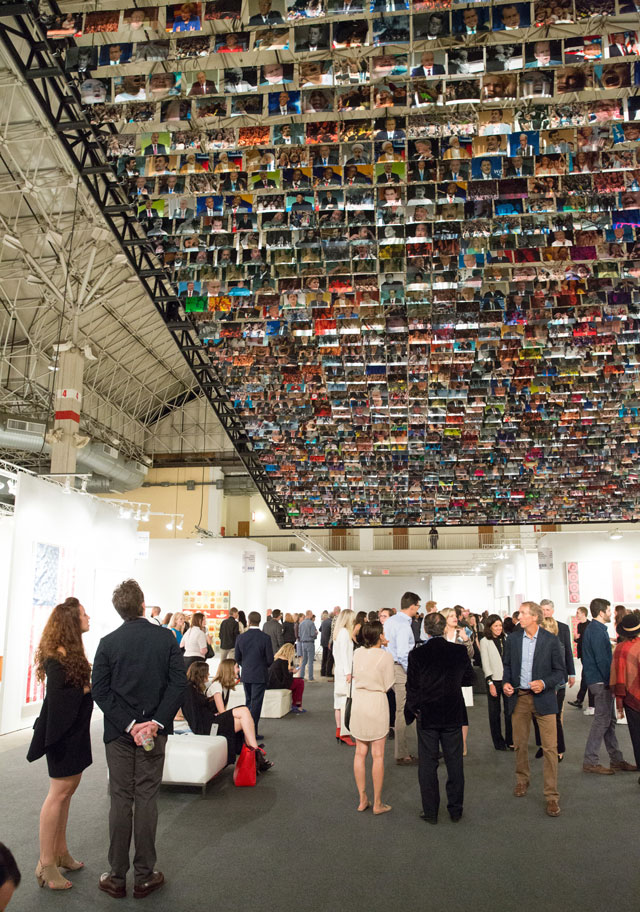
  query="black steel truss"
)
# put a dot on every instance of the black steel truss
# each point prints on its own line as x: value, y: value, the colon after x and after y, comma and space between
x: 39, y: 61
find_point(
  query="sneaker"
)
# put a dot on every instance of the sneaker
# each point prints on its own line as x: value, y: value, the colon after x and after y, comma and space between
x: 589, y: 711
x: 297, y: 709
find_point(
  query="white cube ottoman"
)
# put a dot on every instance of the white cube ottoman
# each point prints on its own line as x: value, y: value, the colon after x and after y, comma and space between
x: 277, y: 703
x: 193, y: 759
x: 236, y: 697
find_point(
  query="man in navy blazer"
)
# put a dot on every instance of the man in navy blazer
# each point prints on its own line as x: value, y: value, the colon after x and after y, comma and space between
x: 533, y: 668
x: 254, y: 654
x: 564, y: 635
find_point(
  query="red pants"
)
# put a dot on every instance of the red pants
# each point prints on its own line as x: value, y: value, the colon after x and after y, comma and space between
x: 297, y: 689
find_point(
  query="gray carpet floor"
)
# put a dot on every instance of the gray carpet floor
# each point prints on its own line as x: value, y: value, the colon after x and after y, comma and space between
x: 296, y: 841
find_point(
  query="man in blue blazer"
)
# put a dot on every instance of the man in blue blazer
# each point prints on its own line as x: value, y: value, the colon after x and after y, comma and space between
x: 254, y: 654
x: 533, y: 668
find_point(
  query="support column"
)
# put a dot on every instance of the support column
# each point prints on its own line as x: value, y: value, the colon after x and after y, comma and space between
x: 68, y: 402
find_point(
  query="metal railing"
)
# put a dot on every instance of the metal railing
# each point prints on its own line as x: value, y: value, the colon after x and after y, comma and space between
x: 387, y: 540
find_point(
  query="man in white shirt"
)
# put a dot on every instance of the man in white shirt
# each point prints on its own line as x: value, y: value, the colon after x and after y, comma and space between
x: 154, y: 616
x: 401, y: 641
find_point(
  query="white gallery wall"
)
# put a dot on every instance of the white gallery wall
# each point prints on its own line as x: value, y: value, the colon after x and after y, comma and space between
x: 378, y: 592
x: 308, y: 589
x: 62, y: 544
x: 177, y: 565
x: 472, y: 592
x: 607, y: 569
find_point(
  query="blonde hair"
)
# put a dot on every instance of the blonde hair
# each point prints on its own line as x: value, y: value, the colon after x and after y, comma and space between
x: 551, y: 625
x: 288, y: 618
x: 285, y: 652
x: 447, y: 612
x: 346, y: 621
x: 226, y: 674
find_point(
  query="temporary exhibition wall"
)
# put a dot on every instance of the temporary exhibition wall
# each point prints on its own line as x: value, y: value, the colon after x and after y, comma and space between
x: 310, y: 589
x: 376, y: 592
x: 62, y: 544
x: 235, y: 566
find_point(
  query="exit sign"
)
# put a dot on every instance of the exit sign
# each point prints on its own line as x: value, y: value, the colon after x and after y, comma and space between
x: 385, y: 572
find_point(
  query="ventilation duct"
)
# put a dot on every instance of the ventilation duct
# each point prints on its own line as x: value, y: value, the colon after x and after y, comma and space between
x: 117, y: 473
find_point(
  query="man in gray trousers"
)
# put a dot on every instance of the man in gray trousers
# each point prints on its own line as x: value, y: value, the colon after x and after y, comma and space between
x: 138, y: 682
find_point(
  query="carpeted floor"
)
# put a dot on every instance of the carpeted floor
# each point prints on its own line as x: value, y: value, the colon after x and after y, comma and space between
x: 296, y: 841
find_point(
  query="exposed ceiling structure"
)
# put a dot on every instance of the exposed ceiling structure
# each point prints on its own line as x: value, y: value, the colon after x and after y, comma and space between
x: 64, y: 277
x: 400, y: 251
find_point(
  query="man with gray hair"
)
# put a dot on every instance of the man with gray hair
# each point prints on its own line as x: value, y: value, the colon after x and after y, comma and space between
x: 532, y: 669
x: 564, y: 635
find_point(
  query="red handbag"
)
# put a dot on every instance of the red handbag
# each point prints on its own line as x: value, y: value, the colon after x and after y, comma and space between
x: 244, y: 773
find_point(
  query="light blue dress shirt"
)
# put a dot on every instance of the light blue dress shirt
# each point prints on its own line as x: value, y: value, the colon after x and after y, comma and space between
x: 399, y: 633
x: 526, y: 669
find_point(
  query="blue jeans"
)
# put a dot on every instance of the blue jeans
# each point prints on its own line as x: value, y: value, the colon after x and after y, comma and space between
x: 308, y: 655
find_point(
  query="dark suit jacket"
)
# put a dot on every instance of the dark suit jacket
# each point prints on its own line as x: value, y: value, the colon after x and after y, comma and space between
x: 436, y: 672
x: 254, y: 653
x: 273, y: 16
x: 564, y: 635
x: 229, y: 630
x: 438, y: 70
x: 148, y: 150
x: 138, y: 675
x: 209, y: 88
x: 274, y: 631
x: 264, y: 184
x: 391, y: 178
x: 548, y: 666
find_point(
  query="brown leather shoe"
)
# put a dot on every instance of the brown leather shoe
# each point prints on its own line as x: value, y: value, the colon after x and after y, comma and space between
x: 621, y: 766
x: 407, y: 761
x: 553, y: 808
x: 154, y: 883
x: 113, y: 887
x: 521, y: 789
x: 597, y: 768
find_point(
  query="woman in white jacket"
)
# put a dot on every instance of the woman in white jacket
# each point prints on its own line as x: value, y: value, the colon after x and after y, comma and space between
x: 491, y: 651
x: 343, y: 658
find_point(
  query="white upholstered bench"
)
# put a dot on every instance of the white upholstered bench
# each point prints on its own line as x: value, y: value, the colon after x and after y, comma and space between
x: 193, y: 759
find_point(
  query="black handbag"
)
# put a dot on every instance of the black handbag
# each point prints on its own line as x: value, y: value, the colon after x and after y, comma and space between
x: 349, y: 703
x: 210, y: 653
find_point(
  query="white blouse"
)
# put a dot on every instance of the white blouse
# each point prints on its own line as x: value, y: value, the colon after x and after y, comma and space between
x: 194, y: 641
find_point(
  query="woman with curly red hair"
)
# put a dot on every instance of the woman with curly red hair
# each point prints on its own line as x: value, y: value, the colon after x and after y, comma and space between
x: 61, y: 733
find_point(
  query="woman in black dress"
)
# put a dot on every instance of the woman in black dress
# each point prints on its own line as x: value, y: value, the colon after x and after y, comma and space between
x: 61, y: 733
x: 202, y: 711
x: 288, y: 630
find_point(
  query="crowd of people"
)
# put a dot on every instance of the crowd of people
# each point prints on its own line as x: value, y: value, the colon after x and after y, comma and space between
x: 389, y: 669
x: 420, y: 668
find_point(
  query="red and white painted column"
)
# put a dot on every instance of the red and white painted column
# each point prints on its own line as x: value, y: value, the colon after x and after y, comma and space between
x: 68, y: 403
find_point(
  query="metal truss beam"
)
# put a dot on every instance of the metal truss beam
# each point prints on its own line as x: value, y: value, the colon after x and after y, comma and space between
x: 39, y: 63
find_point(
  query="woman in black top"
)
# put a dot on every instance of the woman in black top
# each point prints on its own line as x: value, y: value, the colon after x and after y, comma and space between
x: 281, y: 676
x: 61, y: 733
x: 202, y: 711
x: 288, y: 630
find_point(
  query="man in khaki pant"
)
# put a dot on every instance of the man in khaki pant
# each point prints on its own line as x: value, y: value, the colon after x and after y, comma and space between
x: 400, y: 642
x: 533, y: 668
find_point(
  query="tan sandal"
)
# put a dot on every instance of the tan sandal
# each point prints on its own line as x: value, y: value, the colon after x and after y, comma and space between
x: 383, y: 809
x: 68, y: 863
x: 51, y: 876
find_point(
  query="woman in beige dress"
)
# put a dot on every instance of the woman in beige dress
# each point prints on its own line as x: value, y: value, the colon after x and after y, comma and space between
x: 373, y: 675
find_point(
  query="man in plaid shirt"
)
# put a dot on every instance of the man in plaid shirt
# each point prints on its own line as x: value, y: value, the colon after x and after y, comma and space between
x: 625, y: 677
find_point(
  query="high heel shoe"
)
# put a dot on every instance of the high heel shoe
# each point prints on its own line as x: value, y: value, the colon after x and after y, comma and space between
x: 51, y: 876
x: 348, y: 740
x: 68, y: 863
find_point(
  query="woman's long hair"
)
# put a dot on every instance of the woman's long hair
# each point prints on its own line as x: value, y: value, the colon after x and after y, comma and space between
x: 226, y: 674
x: 346, y: 620
x: 488, y: 624
x: 197, y: 675
x: 286, y: 652
x: 63, y: 629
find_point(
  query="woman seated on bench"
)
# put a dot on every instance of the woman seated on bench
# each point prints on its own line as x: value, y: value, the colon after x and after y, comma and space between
x: 281, y: 676
x: 202, y: 711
